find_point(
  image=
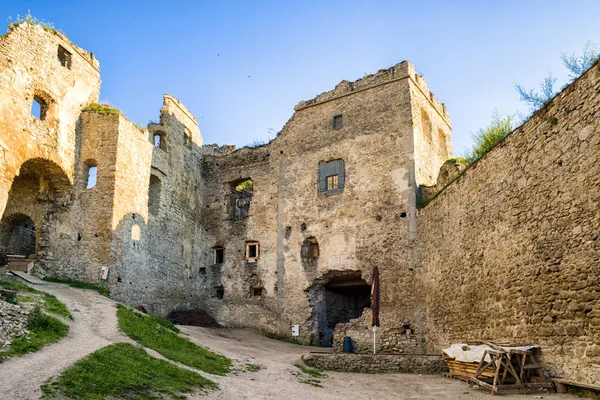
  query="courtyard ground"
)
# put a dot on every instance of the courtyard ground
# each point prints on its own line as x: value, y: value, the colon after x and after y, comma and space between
x: 94, y: 326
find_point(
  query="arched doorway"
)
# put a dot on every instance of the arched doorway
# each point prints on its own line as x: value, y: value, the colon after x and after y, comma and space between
x: 39, y: 197
x: 18, y: 235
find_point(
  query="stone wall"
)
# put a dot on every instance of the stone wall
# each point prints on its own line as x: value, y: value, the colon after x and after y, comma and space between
x: 511, y: 250
x: 377, y: 363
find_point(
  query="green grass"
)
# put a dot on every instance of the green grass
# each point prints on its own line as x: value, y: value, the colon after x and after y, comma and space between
x: 282, y: 338
x: 161, y: 335
x: 25, y: 299
x: 78, y: 285
x: 101, y: 108
x: 253, y: 367
x: 44, y: 330
x: 315, y: 373
x: 51, y: 303
x: 312, y: 382
x: 123, y: 371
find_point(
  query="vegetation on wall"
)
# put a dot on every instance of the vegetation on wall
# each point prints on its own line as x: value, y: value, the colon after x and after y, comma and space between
x: 486, y: 138
x: 30, y: 19
x: 101, y: 108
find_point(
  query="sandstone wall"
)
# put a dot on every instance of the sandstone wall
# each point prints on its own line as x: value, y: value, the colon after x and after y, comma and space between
x: 372, y: 222
x: 511, y: 250
x: 155, y: 256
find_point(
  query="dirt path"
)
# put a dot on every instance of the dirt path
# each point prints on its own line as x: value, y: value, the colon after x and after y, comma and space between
x: 94, y: 326
x: 278, y: 378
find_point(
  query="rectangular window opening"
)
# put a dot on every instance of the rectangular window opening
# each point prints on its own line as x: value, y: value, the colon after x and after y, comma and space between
x: 252, y: 251
x: 64, y: 57
x: 220, y: 293
x: 219, y: 255
x: 337, y: 121
x: 257, y: 291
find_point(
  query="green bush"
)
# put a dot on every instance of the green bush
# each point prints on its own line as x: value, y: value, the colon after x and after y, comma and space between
x: 486, y: 138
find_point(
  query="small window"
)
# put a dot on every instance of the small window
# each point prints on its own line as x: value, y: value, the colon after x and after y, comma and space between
x: 257, y: 291
x: 39, y: 108
x: 154, y: 195
x: 91, y: 173
x: 135, y: 232
x: 220, y: 292
x: 160, y: 140
x: 202, y: 271
x: 252, y: 251
x: 64, y: 57
x: 219, y: 255
x: 241, y: 197
x: 337, y: 121
x: 332, y: 182
x: 187, y: 137
x: 331, y: 177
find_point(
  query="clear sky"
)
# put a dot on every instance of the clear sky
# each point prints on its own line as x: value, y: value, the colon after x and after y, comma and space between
x: 241, y: 66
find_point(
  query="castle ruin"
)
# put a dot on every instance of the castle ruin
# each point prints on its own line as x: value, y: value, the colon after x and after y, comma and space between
x: 288, y: 233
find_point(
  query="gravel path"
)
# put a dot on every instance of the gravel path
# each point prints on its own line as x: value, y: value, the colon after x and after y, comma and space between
x: 94, y: 326
x: 278, y: 378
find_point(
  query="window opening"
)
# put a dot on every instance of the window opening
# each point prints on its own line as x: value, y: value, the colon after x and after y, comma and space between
x: 154, y: 195
x: 187, y: 137
x: 309, y: 252
x: 219, y: 255
x: 241, y: 197
x: 337, y: 121
x: 220, y: 292
x: 331, y: 177
x: 160, y: 140
x: 39, y: 108
x: 252, y: 251
x: 64, y: 57
x: 257, y: 291
x: 91, y: 173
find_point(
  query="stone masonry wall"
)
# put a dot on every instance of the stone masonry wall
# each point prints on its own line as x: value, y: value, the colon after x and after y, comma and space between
x: 377, y: 363
x: 511, y: 249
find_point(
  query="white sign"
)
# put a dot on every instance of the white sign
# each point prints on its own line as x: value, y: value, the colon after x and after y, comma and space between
x: 104, y: 273
x: 295, y: 330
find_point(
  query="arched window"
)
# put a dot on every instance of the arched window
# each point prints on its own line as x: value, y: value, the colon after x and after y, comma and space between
x: 187, y: 137
x: 135, y: 232
x: 91, y: 173
x: 159, y: 139
x: 154, y: 195
x: 39, y: 108
x: 426, y: 125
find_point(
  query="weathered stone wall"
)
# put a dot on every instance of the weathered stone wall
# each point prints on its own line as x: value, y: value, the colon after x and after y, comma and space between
x: 372, y: 222
x: 155, y: 256
x: 39, y: 156
x: 377, y: 363
x: 511, y: 249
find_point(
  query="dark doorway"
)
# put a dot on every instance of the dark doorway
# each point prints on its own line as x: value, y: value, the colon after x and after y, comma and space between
x: 17, y: 235
x: 342, y: 297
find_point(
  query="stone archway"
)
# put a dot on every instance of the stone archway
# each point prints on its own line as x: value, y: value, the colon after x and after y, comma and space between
x: 40, y: 194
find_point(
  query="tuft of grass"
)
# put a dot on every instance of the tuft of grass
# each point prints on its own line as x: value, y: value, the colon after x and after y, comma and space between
x: 30, y: 19
x: 253, y: 367
x: 54, y: 306
x: 459, y: 160
x: 78, y: 285
x: 25, y: 299
x: 101, y: 108
x: 487, y: 138
x: 21, y: 287
x: 43, y: 330
x: 312, y: 382
x: 281, y: 338
x: 315, y: 373
x: 123, y: 371
x: 161, y: 335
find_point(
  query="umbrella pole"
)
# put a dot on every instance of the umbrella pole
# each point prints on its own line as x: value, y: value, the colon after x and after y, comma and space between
x: 374, y: 338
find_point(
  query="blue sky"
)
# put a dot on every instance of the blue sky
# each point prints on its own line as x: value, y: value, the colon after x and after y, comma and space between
x: 241, y: 66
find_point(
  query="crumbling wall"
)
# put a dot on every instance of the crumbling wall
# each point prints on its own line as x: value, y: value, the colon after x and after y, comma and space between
x: 154, y: 251
x: 512, y: 248
x: 369, y: 125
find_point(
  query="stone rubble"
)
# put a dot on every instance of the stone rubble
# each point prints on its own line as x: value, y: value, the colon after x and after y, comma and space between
x: 13, y: 323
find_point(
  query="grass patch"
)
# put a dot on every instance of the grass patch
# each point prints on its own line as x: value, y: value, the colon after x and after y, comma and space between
x: 51, y: 304
x: 43, y: 329
x: 25, y: 299
x: 315, y: 373
x: 101, y: 108
x: 282, y: 338
x: 123, y: 371
x: 161, y: 335
x: 312, y: 382
x: 78, y: 285
x: 253, y: 367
